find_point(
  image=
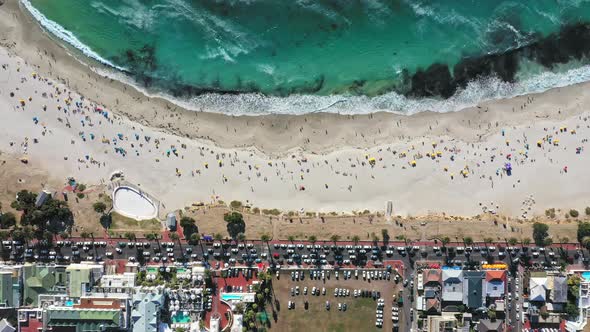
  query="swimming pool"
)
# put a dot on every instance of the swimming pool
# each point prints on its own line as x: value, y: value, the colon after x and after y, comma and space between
x: 227, y: 296
x: 180, y: 317
x: 586, y: 275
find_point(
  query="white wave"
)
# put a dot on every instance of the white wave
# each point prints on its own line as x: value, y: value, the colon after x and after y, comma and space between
x: 476, y: 92
x: 65, y: 35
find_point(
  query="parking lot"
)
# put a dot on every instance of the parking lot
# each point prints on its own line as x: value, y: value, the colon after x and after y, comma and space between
x: 346, y: 311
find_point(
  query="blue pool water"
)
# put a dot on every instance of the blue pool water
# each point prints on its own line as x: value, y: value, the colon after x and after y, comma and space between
x: 180, y: 318
x: 226, y: 297
x: 69, y: 303
x: 586, y: 275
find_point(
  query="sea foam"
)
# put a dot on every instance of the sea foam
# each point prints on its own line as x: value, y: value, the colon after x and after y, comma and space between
x: 254, y: 104
x: 65, y: 35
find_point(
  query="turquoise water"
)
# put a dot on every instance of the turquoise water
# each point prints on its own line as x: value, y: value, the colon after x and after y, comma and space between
x: 586, y: 275
x: 329, y: 50
x: 180, y: 318
x: 226, y: 297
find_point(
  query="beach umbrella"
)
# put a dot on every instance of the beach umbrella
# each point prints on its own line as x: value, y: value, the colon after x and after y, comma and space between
x: 22, y: 102
x: 413, y: 163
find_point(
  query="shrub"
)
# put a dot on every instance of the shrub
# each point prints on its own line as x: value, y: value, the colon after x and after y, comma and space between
x: 588, y: 210
x: 235, y: 205
x: 574, y: 213
x: 550, y: 213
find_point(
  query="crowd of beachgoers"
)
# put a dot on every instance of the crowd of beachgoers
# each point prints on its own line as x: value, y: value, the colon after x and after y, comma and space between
x: 516, y: 170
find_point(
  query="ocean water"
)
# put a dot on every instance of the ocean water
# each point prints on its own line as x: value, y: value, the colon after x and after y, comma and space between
x: 276, y: 56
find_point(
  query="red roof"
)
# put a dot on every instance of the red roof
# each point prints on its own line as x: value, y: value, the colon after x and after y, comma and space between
x: 495, y: 275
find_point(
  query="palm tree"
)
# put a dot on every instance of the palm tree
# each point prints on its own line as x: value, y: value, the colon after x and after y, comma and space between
x: 218, y: 237
x: 174, y: 236
x: 291, y: 238
x: 445, y: 240
x: 467, y: 241
x: 130, y: 236
x: 265, y: 238
x: 586, y: 242
x: 242, y: 237
x: 526, y: 241
x: 312, y: 239
x: 84, y: 235
x: 356, y: 239
x: 512, y: 241
x: 335, y: 238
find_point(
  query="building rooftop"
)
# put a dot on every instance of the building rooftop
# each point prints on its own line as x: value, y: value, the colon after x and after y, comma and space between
x: 538, y: 289
x: 5, y: 326
x: 432, y: 276
x: 42, y: 280
x: 83, y: 319
x: 79, y: 279
x: 145, y: 312
x: 473, y: 295
x: 558, y: 286
x: 495, y: 283
x: 452, y: 285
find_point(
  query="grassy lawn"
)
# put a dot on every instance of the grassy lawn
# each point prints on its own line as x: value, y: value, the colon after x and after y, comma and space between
x: 122, y: 223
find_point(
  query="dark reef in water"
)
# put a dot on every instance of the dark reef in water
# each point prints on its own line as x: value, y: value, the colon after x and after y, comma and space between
x: 571, y: 42
x: 438, y: 80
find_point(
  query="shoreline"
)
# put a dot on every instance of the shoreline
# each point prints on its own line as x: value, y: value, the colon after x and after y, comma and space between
x: 19, y: 26
x: 318, y: 162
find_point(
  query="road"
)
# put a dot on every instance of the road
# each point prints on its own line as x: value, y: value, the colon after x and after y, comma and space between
x: 341, y: 255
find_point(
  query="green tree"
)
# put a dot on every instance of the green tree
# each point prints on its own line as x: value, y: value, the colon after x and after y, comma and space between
x: 241, y: 237
x: 99, y: 207
x: 195, y: 238
x: 52, y: 215
x: 291, y: 238
x: 355, y: 239
x: 540, y: 233
x: 586, y: 242
x: 312, y: 239
x: 84, y: 235
x: 583, y: 230
x: 174, y: 236
x: 468, y: 240
x: 335, y: 238
x: 218, y: 236
x: 445, y: 240
x: 130, y: 236
x: 7, y: 220
x: 189, y: 226
x: 526, y: 241
x: 547, y: 242
x: 235, y: 224
x: 572, y: 310
x: 512, y: 241
x: 492, y: 315
x: 385, y: 236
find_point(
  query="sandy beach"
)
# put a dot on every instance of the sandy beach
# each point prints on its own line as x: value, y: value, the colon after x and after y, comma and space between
x: 71, y: 121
